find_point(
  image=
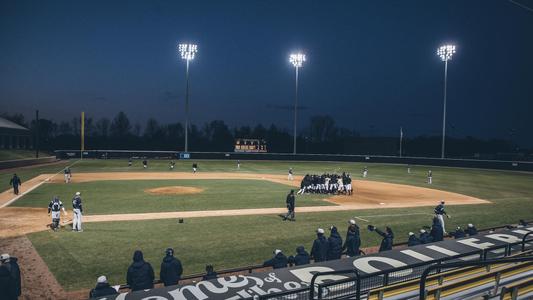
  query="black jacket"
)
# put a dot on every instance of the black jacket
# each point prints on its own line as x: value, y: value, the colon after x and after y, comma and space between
x: 459, y: 233
x: 386, y: 243
x: 301, y: 258
x: 102, y: 289
x: 290, y: 201
x: 319, y: 251
x: 8, y: 289
x: 210, y: 275
x: 15, y: 274
x: 140, y: 273
x: 353, y: 241
x: 413, y: 241
x: 436, y: 231
x: 171, y: 270
x: 277, y: 262
x: 471, y: 231
x: 335, y: 245
x: 425, y: 238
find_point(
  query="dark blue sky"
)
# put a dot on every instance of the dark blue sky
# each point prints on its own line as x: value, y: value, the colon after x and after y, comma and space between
x: 371, y: 64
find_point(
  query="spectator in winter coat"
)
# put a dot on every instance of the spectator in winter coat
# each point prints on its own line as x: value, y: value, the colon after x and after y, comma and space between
x: 209, y: 273
x: 353, y: 240
x: 102, y: 288
x: 140, y: 273
x: 458, y: 233
x: 388, y: 238
x: 334, y: 244
x: 471, y: 230
x: 301, y: 258
x: 413, y: 240
x: 13, y: 267
x: 8, y: 289
x: 319, y: 251
x: 436, y: 230
x: 278, y: 261
x: 171, y: 269
x: 424, y: 237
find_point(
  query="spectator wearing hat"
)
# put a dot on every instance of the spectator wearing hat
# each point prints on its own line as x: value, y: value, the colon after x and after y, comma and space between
x: 140, y: 273
x: 8, y: 289
x: 424, y: 237
x: 14, y: 271
x: 353, y: 240
x: 458, y: 233
x: 278, y: 261
x: 102, y: 288
x: 319, y: 251
x: 334, y: 244
x: 471, y: 230
x: 301, y: 257
x: 171, y: 268
x: 413, y: 240
x: 209, y: 273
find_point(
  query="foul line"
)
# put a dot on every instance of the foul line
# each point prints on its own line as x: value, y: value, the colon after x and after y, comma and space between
x: 35, y: 186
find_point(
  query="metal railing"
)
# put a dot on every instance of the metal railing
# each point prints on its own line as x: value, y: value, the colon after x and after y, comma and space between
x: 438, y: 268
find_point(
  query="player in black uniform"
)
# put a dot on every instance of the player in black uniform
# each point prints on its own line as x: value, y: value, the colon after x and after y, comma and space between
x: 290, y: 201
x: 55, y: 206
x: 15, y: 182
x: 194, y: 167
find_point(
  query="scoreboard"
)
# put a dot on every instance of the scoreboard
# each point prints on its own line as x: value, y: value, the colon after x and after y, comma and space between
x: 250, y: 145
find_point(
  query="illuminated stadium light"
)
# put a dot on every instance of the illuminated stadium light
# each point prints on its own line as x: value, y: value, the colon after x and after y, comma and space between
x: 446, y: 52
x: 297, y: 59
x: 187, y: 51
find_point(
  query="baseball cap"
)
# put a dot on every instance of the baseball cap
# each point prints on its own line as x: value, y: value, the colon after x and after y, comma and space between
x: 352, y: 221
x: 470, y: 225
x: 78, y: 193
x: 320, y: 230
x: 411, y: 233
x: 422, y: 231
x: 277, y: 251
x: 4, y: 256
x: 101, y: 279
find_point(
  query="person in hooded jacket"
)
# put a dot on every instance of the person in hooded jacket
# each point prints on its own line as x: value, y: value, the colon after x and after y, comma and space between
x: 278, y: 261
x: 8, y: 289
x: 301, y: 257
x: 209, y: 273
x: 458, y: 233
x: 319, y: 251
x: 471, y: 230
x: 353, y: 240
x: 140, y: 273
x: 424, y: 237
x: 14, y: 270
x: 436, y: 230
x: 388, y: 238
x: 102, y: 288
x: 413, y: 240
x: 171, y: 268
x: 334, y: 244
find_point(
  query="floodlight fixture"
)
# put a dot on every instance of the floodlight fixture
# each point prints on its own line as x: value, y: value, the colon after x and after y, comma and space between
x: 297, y: 59
x: 446, y: 52
x: 187, y: 51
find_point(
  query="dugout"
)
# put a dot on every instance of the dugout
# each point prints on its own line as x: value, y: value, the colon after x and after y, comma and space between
x: 13, y: 135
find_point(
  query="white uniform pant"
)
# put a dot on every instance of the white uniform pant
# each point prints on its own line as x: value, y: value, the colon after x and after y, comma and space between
x: 430, y: 180
x: 289, y: 177
x: 76, y: 219
x: 441, y: 220
x: 365, y: 173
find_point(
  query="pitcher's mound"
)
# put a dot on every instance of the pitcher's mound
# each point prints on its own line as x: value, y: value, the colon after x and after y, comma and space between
x: 174, y: 190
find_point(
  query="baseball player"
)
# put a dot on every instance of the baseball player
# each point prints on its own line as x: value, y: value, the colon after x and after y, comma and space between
x: 145, y: 164
x: 290, y: 201
x: 290, y: 177
x: 55, y: 206
x: 194, y: 167
x: 238, y: 164
x: 408, y: 169
x: 130, y: 162
x: 430, y: 178
x: 77, y: 209
x: 15, y: 182
x: 68, y: 175
x: 440, y: 212
x: 348, y: 184
x: 365, y: 172
x: 171, y: 165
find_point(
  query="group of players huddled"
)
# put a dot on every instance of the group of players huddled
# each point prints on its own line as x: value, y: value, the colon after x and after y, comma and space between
x: 326, y: 184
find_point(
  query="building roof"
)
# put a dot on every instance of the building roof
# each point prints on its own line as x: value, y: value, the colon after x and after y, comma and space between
x: 4, y: 123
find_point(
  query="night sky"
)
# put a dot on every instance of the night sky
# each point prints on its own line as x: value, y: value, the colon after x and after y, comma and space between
x: 372, y: 65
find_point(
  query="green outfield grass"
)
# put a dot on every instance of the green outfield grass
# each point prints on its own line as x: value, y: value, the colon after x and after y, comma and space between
x: 76, y: 259
x: 129, y: 196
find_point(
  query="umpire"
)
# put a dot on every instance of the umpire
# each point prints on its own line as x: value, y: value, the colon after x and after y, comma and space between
x: 290, y: 207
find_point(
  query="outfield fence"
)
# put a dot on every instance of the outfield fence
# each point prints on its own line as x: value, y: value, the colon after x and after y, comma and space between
x: 447, y: 162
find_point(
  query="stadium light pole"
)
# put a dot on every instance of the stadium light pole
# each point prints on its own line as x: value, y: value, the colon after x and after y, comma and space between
x: 445, y: 53
x: 187, y: 52
x: 297, y: 60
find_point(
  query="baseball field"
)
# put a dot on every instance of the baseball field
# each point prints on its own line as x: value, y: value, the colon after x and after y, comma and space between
x: 231, y: 216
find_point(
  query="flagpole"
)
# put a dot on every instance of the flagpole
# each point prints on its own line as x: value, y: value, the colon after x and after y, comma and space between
x: 401, y: 140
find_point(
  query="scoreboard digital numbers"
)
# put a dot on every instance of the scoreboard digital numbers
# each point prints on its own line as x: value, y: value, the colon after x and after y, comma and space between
x: 250, y: 145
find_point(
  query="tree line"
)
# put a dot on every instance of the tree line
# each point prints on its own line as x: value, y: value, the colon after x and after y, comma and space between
x: 321, y: 135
